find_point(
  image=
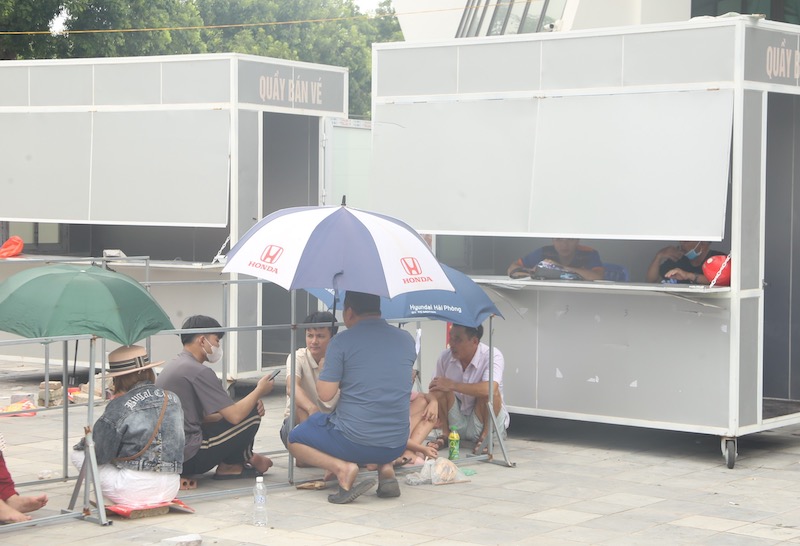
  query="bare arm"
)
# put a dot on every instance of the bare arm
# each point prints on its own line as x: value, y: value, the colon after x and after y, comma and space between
x: 326, y: 390
x: 237, y: 412
x: 681, y: 275
x: 517, y: 270
x: 301, y: 399
x: 443, y: 384
x: 666, y: 253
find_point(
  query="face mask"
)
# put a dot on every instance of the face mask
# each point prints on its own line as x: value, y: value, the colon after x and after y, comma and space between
x: 692, y: 254
x: 216, y: 353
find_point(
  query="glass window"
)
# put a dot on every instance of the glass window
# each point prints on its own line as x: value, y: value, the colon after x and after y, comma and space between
x: 487, y: 15
x: 776, y: 10
x: 48, y: 234
x: 24, y: 230
x: 499, y: 18
x: 518, y: 10
x: 530, y: 21
x: 466, y: 19
x: 554, y: 11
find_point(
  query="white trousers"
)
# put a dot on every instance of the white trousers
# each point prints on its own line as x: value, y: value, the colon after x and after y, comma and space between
x: 133, y: 487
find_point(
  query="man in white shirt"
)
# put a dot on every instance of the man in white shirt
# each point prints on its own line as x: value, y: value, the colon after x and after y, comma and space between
x: 461, y: 386
x: 309, y: 362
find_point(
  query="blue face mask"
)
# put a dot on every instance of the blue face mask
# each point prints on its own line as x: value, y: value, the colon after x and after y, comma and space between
x: 692, y: 254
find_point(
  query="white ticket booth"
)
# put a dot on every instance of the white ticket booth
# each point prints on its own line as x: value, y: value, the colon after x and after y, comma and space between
x: 631, y: 139
x: 167, y: 157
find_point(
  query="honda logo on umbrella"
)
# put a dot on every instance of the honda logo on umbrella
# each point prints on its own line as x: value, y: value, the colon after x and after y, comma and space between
x: 414, y: 271
x: 411, y: 265
x: 271, y: 254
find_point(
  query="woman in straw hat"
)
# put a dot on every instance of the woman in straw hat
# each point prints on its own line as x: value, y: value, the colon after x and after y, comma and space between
x: 139, y: 438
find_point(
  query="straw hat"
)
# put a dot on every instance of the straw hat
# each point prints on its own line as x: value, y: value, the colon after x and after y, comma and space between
x: 129, y: 359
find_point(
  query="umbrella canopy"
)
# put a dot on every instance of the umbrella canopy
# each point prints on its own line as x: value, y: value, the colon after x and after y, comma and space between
x: 468, y: 305
x: 340, y: 248
x: 64, y: 300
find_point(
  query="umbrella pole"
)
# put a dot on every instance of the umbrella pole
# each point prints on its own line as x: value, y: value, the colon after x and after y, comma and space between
x: 89, y: 466
x: 65, y: 411
x: 292, y: 367
x: 495, y: 427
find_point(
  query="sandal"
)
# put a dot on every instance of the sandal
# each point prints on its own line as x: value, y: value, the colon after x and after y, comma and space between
x: 402, y: 461
x: 345, y: 496
x: 439, y: 443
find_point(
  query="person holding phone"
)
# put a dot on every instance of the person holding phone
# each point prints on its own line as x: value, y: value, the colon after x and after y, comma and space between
x: 219, y: 431
x: 309, y: 362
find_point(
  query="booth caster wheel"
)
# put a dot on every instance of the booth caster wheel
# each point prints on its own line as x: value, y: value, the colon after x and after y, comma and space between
x: 729, y: 448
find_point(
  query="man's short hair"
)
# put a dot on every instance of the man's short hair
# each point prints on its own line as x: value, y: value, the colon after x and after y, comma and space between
x: 472, y: 332
x: 322, y: 316
x: 200, y: 321
x: 361, y: 303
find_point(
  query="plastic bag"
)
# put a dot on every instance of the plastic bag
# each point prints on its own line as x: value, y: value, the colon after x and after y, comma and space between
x: 19, y: 406
x: 12, y: 247
x: 437, y: 471
x: 445, y: 471
x: 423, y: 476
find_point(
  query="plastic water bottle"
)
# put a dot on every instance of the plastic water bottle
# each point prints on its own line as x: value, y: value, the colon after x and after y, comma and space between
x: 260, y: 503
x: 453, y: 441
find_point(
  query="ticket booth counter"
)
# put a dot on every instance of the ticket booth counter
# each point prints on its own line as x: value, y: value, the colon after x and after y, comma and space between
x: 631, y: 138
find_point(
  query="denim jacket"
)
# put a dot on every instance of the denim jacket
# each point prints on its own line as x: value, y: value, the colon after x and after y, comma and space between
x: 128, y: 423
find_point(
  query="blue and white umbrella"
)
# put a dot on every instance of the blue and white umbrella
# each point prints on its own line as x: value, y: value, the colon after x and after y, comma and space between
x: 468, y: 305
x: 337, y: 247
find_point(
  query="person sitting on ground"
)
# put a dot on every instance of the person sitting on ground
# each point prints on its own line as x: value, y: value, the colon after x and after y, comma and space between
x: 423, y: 417
x: 567, y: 254
x: 309, y: 363
x: 139, y: 438
x: 219, y: 432
x: 683, y: 263
x: 461, y: 387
x: 370, y: 365
x: 14, y: 508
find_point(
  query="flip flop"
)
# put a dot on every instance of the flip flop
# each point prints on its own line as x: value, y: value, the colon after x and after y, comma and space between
x: 314, y: 485
x: 247, y: 472
x: 344, y: 495
x: 439, y: 443
x: 388, y: 488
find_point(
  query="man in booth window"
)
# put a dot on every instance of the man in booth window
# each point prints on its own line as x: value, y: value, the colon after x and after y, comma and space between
x: 682, y: 263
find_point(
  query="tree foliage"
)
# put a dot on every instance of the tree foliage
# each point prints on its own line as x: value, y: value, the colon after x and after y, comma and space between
x: 27, y: 16
x: 331, y: 32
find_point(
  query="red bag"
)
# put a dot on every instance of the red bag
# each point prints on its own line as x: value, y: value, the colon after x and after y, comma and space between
x: 12, y: 247
x: 718, y: 265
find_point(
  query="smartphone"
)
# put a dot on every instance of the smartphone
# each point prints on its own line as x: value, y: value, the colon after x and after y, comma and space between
x: 274, y: 374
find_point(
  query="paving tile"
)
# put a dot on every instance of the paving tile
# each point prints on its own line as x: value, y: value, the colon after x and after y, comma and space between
x: 561, y: 515
x: 707, y: 522
x: 767, y: 531
x: 392, y: 538
x: 628, y: 499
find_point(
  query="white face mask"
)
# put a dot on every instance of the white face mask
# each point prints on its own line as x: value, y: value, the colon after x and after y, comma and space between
x: 216, y: 353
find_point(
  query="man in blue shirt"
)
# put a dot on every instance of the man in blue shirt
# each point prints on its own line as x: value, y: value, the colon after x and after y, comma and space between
x: 568, y: 254
x: 370, y: 365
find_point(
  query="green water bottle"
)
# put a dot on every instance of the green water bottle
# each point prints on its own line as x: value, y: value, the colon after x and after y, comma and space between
x: 453, y: 440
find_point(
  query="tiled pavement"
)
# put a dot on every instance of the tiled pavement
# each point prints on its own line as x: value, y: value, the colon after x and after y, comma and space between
x: 574, y: 483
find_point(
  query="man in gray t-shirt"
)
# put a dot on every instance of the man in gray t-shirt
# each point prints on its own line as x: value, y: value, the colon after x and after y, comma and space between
x: 219, y: 431
x: 370, y: 366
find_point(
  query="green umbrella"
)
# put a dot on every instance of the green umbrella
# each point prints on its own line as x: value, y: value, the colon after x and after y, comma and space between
x: 64, y: 300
